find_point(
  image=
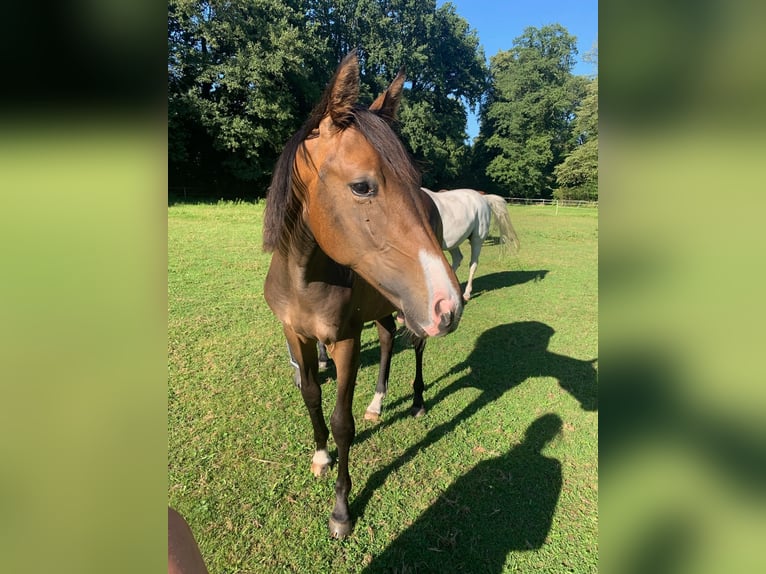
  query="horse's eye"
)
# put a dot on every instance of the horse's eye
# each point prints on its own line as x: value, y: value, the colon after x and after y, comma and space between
x: 362, y: 189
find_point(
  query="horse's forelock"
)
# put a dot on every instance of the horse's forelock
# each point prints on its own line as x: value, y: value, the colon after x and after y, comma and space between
x: 381, y: 136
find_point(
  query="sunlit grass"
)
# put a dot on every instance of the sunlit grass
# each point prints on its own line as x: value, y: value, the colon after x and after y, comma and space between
x: 453, y: 491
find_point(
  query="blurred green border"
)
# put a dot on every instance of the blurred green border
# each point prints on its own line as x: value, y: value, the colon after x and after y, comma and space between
x: 83, y: 345
x: 83, y: 309
x: 683, y: 137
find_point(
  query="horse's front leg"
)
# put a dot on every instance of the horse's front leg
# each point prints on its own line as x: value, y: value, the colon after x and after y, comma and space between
x: 303, y: 355
x: 418, y: 405
x: 346, y: 356
x: 386, y: 331
x: 476, y: 243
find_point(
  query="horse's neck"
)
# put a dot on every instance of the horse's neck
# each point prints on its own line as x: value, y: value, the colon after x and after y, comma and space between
x: 305, y: 263
x: 310, y: 292
x: 317, y: 266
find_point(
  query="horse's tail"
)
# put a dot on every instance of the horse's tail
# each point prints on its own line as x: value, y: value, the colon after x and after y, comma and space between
x: 500, y: 211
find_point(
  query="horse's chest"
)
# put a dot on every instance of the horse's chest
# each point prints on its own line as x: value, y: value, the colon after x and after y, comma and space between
x: 329, y: 306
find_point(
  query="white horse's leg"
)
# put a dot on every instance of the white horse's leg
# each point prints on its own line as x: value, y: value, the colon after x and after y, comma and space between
x: 457, y: 257
x: 476, y: 243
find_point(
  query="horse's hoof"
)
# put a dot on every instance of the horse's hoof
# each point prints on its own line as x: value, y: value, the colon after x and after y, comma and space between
x: 372, y: 416
x: 322, y: 365
x: 339, y: 529
x: 418, y: 412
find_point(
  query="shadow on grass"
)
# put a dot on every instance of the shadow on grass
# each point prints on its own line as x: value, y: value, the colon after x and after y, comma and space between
x: 370, y: 353
x: 484, y: 283
x: 503, y: 358
x: 501, y: 505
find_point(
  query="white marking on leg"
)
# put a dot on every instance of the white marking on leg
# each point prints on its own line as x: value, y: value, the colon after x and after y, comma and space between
x: 376, y: 405
x: 469, y: 285
x: 320, y: 462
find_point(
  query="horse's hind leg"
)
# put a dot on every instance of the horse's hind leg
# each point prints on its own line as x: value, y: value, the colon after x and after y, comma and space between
x: 457, y: 257
x: 418, y: 405
x: 303, y: 355
x: 476, y: 243
x: 346, y: 357
x: 386, y: 331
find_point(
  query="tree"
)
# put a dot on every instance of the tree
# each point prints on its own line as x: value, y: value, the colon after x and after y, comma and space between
x: 240, y: 74
x: 244, y: 74
x: 526, y: 123
x: 445, y: 69
x: 577, y: 175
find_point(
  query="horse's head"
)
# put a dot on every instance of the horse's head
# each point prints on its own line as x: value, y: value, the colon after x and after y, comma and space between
x: 360, y: 200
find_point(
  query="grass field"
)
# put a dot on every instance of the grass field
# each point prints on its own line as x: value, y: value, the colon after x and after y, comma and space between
x: 501, y: 475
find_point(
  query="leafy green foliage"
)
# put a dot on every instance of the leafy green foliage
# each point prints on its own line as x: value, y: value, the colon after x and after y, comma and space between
x: 243, y: 75
x: 527, y: 120
x: 577, y: 175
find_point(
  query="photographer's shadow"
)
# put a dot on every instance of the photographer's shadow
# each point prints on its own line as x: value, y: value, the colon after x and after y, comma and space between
x: 503, y: 504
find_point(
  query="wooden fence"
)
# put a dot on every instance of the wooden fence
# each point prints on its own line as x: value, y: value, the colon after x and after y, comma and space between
x: 554, y: 202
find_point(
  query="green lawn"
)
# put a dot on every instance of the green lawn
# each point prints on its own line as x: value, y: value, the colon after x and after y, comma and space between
x: 501, y: 475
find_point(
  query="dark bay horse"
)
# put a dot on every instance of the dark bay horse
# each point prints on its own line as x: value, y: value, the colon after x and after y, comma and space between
x: 351, y: 242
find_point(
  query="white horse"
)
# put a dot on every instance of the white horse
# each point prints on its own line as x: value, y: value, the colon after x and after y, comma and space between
x: 467, y: 214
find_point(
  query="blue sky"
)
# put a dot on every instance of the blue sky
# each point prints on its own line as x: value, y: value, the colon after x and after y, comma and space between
x: 498, y: 22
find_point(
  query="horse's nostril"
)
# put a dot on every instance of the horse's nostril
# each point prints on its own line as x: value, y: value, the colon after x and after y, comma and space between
x: 445, y: 312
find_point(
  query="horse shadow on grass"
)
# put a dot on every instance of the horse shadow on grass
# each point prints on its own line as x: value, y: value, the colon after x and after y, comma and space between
x: 501, y: 505
x: 501, y: 279
x: 503, y: 358
x: 370, y: 352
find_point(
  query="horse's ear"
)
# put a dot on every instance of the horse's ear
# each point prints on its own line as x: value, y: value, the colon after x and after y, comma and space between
x: 343, y: 91
x: 387, y: 103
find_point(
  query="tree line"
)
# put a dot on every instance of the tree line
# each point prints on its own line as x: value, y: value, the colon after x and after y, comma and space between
x: 244, y: 74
